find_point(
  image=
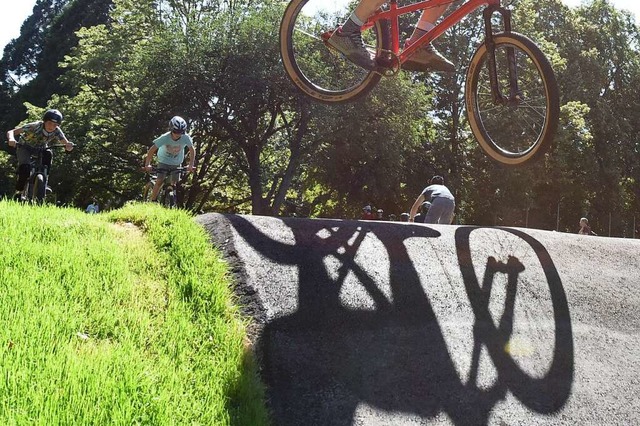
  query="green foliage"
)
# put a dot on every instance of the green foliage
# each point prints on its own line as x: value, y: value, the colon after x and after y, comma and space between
x: 29, y: 66
x: 264, y: 148
x: 371, y: 148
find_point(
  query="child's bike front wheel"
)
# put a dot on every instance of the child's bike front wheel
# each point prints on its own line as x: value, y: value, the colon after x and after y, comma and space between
x: 38, y: 188
x: 169, y: 197
x: 519, y: 126
x: 318, y: 71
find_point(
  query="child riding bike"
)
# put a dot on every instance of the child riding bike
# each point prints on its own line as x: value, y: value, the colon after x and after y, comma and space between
x: 348, y: 40
x: 170, y: 150
x: 37, y: 134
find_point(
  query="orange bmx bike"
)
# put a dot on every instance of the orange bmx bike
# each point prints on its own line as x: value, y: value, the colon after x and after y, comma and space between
x: 511, y: 93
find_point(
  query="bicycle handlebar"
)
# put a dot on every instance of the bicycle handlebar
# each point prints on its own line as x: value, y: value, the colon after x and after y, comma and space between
x: 156, y: 169
x: 40, y: 148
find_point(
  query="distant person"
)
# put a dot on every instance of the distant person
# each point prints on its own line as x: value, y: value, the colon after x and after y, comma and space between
x: 585, y: 229
x: 404, y: 217
x: 422, y: 213
x: 392, y: 217
x: 380, y: 214
x: 93, y: 207
x: 442, y: 203
x: 367, y: 214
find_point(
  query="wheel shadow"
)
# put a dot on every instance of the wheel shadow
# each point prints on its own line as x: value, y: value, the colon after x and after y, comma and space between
x: 326, y: 359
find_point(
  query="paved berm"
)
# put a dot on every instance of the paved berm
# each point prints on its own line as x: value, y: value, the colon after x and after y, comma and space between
x: 385, y: 323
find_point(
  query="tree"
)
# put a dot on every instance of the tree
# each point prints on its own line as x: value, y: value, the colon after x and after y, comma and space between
x: 30, y: 63
x: 604, y: 53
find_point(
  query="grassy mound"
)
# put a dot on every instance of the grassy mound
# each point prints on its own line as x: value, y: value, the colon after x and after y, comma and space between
x: 119, y: 318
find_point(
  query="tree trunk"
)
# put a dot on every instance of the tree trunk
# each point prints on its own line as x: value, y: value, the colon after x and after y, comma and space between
x: 255, y: 177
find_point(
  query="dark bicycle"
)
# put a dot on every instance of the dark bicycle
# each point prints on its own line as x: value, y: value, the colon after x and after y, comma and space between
x: 167, y: 194
x: 36, y: 189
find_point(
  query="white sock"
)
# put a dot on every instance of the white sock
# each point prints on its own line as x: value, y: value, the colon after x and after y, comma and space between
x: 355, y: 19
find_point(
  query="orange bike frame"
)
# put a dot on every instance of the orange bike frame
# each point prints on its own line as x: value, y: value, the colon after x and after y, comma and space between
x: 394, y: 12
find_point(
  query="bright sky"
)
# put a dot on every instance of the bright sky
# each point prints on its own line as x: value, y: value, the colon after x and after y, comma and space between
x: 14, y: 15
x: 12, y: 18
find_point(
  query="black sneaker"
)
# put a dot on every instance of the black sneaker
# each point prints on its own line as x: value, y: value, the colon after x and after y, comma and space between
x: 352, y: 47
x: 427, y: 58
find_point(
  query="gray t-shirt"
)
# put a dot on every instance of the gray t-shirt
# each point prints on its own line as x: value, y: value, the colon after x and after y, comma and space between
x: 437, y: 191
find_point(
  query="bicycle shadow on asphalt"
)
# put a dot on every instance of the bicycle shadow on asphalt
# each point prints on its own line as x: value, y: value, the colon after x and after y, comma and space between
x: 323, y: 361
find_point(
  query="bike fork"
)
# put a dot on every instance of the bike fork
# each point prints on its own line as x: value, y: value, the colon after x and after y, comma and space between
x: 171, y: 192
x: 514, y: 91
x: 37, y: 187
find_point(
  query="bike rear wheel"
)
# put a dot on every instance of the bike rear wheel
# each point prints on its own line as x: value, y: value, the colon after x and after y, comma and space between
x: 318, y: 71
x: 517, y: 129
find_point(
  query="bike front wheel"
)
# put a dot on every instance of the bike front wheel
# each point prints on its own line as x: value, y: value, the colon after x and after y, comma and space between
x: 318, y: 71
x: 169, y: 198
x: 38, y: 188
x: 519, y: 125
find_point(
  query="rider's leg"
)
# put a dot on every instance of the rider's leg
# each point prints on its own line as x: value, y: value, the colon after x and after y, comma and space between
x: 23, y: 176
x: 427, y: 21
x: 365, y: 9
x: 348, y: 38
x: 427, y: 57
x: 157, y: 186
x: 47, y: 158
x: 24, y: 170
x: 441, y: 211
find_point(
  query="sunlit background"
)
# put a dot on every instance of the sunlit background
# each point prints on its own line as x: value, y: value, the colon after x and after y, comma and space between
x: 14, y: 16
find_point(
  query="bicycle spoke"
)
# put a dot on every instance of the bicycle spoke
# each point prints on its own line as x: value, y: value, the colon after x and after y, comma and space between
x: 311, y: 36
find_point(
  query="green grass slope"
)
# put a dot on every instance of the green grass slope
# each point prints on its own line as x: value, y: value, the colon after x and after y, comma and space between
x: 119, y: 318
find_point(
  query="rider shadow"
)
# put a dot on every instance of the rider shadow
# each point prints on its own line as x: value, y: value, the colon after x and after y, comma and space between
x: 321, y: 362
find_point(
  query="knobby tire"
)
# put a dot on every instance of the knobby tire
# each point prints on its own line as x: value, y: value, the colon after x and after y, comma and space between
x: 315, y: 69
x: 513, y: 136
x: 38, y: 189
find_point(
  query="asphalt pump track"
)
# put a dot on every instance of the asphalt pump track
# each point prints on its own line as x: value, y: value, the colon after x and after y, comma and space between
x: 388, y: 323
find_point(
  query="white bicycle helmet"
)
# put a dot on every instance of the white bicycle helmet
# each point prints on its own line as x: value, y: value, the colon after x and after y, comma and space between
x: 178, y: 125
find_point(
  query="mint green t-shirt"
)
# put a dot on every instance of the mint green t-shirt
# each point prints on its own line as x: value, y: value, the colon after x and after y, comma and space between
x: 172, y: 152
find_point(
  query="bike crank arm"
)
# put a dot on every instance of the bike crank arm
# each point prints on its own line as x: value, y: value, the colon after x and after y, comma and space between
x: 388, y: 63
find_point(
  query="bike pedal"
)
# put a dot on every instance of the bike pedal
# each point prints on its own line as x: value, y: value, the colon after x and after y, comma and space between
x: 386, y: 72
x: 388, y: 64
